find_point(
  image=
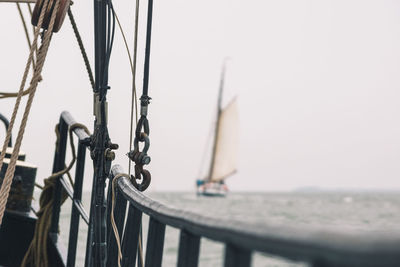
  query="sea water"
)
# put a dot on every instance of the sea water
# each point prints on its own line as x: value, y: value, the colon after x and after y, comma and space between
x: 367, y: 211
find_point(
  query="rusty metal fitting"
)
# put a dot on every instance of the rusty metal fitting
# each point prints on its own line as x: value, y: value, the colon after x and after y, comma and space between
x: 109, y: 154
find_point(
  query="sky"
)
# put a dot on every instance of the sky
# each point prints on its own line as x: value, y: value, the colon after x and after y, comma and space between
x: 317, y: 83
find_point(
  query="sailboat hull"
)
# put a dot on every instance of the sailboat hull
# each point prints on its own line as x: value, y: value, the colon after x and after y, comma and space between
x: 212, y: 194
x: 212, y: 190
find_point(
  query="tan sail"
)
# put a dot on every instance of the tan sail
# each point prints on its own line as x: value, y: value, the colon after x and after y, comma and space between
x: 226, y: 150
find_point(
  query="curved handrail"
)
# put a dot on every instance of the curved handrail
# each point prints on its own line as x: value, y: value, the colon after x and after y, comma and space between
x: 6, y: 124
x: 336, y: 248
x: 69, y: 120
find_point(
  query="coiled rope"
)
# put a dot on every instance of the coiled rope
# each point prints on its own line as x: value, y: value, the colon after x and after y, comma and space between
x: 42, y: 53
x: 36, y: 254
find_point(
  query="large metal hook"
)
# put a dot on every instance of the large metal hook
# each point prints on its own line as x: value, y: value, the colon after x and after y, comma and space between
x: 143, y: 175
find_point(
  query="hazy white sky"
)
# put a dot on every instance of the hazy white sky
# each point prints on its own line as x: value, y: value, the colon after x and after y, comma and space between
x: 318, y: 86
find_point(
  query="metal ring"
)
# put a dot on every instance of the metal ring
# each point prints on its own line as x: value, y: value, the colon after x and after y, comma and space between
x: 142, y: 123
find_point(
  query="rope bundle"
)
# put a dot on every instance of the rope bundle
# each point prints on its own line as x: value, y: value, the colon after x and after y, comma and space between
x: 37, y: 251
x: 5, y: 187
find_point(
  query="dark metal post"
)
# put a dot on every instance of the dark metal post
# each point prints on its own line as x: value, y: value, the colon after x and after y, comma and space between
x: 119, y: 216
x: 131, y: 236
x: 237, y: 257
x: 58, y: 165
x: 147, y: 52
x: 100, y: 142
x: 6, y: 124
x: 74, y: 226
x: 155, y: 243
x: 90, y: 235
x: 189, y: 247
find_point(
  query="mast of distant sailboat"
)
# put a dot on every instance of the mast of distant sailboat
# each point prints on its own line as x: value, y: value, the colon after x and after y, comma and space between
x: 219, y: 110
x: 224, y: 149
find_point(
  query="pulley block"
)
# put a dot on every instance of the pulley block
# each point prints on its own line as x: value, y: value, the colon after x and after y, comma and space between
x: 62, y: 11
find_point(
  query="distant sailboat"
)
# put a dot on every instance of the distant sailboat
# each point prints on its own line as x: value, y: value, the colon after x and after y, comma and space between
x: 225, y: 148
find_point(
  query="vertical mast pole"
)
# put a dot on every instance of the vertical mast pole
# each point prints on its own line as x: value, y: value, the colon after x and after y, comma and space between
x: 100, y: 142
x: 147, y: 51
x: 219, y: 110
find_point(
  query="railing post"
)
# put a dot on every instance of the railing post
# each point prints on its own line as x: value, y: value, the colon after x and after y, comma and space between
x: 131, y: 236
x: 119, y: 216
x: 58, y: 165
x: 320, y: 263
x: 155, y: 243
x: 74, y: 226
x: 6, y: 124
x: 189, y: 247
x: 89, y: 239
x: 236, y: 257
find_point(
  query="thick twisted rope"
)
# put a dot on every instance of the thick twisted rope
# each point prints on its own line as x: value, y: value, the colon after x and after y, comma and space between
x: 22, y: 86
x: 28, y: 39
x: 5, y: 187
x: 81, y: 47
x: 7, y: 94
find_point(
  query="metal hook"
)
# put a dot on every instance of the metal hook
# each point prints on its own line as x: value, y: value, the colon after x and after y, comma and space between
x: 141, y: 174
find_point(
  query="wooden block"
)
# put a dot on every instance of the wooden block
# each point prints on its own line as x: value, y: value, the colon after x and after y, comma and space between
x: 21, y: 191
x: 21, y: 155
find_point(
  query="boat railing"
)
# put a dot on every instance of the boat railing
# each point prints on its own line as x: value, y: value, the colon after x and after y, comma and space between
x: 6, y: 124
x: 75, y: 193
x: 317, y: 247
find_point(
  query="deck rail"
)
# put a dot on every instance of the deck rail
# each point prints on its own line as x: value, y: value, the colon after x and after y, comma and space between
x: 75, y: 193
x: 318, y: 247
x: 6, y: 124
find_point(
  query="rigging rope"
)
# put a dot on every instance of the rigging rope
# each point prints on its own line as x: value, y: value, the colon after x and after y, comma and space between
x: 7, y: 94
x: 132, y: 62
x: 114, y: 226
x: 28, y: 39
x: 142, y: 129
x: 81, y: 47
x: 6, y: 185
x: 134, y: 95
